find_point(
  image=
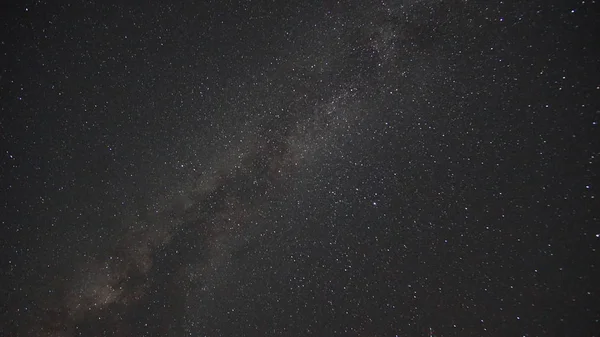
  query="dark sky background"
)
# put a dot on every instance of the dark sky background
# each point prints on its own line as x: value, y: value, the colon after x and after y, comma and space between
x: 300, y: 168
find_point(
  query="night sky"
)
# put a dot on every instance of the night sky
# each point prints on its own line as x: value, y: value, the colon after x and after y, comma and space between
x: 300, y: 168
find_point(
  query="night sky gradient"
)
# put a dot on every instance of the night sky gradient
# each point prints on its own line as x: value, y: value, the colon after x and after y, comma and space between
x: 300, y: 168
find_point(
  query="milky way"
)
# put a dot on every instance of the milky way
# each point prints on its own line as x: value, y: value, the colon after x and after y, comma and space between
x: 395, y: 168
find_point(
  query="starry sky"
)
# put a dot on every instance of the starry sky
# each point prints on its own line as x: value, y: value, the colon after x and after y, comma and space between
x: 299, y: 168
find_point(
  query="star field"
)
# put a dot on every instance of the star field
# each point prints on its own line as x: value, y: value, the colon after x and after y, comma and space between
x: 283, y: 168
